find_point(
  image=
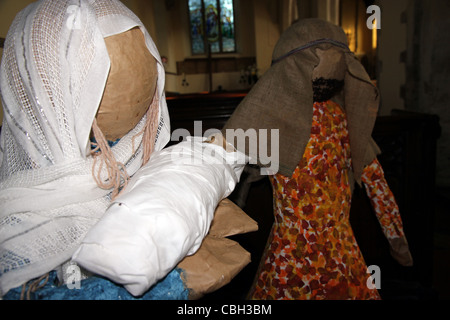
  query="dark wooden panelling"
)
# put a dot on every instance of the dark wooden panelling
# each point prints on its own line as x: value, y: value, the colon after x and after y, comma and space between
x: 202, y: 65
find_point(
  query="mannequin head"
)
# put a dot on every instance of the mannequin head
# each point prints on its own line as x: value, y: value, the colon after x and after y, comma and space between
x: 328, y: 76
x: 332, y: 64
x: 130, y: 86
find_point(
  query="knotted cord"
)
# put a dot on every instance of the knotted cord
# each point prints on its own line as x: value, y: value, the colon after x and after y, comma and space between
x: 34, y: 286
x: 117, y: 176
x: 116, y: 171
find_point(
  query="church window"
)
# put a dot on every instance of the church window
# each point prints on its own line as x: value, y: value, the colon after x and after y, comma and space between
x: 212, y: 23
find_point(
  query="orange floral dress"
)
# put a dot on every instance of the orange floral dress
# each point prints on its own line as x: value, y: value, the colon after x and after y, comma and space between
x: 312, y: 252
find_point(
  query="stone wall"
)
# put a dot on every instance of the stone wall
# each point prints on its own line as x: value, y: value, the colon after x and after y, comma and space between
x: 427, y: 87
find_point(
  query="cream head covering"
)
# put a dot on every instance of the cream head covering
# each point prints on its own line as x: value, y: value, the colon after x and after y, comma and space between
x: 283, y: 97
x: 54, y: 71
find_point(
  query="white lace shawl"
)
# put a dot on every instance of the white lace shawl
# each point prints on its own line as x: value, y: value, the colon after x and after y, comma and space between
x: 53, y: 74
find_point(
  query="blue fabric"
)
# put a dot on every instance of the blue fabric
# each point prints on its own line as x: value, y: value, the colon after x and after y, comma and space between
x: 96, y: 288
x: 110, y: 143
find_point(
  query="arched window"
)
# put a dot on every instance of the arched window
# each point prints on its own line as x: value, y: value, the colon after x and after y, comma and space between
x: 212, y: 23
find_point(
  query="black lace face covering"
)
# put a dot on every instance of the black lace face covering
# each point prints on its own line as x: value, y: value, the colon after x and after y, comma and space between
x: 325, y: 89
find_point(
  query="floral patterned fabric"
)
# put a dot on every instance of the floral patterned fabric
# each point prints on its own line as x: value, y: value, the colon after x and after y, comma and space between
x: 382, y: 200
x: 312, y: 252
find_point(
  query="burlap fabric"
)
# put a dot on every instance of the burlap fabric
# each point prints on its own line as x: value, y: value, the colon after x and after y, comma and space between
x: 283, y: 97
x: 219, y: 259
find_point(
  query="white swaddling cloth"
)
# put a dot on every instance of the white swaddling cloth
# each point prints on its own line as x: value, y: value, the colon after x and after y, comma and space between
x: 163, y: 214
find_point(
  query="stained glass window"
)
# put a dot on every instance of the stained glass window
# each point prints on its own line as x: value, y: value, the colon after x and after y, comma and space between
x: 212, y: 23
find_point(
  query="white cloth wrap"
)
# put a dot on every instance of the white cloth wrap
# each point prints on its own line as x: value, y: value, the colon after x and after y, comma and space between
x: 52, y: 77
x: 162, y: 216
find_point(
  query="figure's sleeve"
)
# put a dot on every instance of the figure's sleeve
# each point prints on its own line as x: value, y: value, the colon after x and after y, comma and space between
x: 387, y: 211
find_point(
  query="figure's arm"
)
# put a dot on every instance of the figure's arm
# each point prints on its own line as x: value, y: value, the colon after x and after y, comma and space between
x: 387, y: 211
